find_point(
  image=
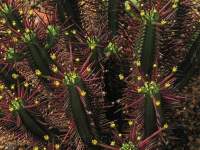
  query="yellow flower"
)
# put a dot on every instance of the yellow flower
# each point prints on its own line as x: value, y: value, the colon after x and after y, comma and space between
x: 38, y: 72
x: 82, y: 93
x: 121, y: 76
x: 46, y: 137
x: 94, y: 142
x: 166, y: 125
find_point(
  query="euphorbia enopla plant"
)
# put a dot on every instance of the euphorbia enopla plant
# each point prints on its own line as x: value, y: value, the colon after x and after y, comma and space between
x: 19, y: 114
x: 130, y: 138
x: 28, y: 34
x: 152, y: 16
x: 191, y: 37
x: 148, y: 89
x: 74, y: 64
x: 79, y: 84
x: 147, y: 99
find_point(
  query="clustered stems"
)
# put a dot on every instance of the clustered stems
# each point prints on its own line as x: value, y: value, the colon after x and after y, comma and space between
x: 107, y: 87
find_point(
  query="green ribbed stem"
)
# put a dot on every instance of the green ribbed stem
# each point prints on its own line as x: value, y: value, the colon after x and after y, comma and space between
x: 72, y: 81
x: 148, y: 48
x: 40, y: 57
x: 12, y: 17
x: 31, y: 124
x: 80, y: 116
x: 150, y: 118
x: 187, y: 67
x: 29, y: 121
x: 71, y: 8
x: 113, y: 16
x: 7, y: 78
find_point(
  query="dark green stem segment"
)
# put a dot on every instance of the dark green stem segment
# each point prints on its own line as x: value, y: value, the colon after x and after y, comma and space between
x: 148, y: 48
x: 150, y: 118
x: 31, y: 124
x: 40, y: 57
x: 80, y: 116
x: 7, y: 78
x: 71, y: 8
x: 39, y: 54
x: 187, y: 67
x: 113, y: 7
x: 14, y: 16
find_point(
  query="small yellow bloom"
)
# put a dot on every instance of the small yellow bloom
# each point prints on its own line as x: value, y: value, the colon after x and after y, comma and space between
x: 157, y: 103
x: 14, y: 23
x: 35, y: 148
x: 73, y: 31
x: 3, y: 21
x: 15, y: 76
x: 30, y: 12
x: 174, y: 69
x: 36, y: 102
x: 167, y: 85
x: 112, y: 125
x: 21, y: 12
x: 163, y: 22
x: 77, y: 59
x: 26, y: 84
x: 88, y: 69
x: 2, y: 87
x: 66, y: 33
x: 127, y: 6
x: 15, y: 39
x: 11, y: 109
x: 138, y: 63
x: 56, y: 83
x: 166, y: 125
x: 112, y: 143
x: 9, y: 31
x: 12, y: 86
x: 54, y: 69
x: 53, y: 56
x: 139, y: 138
x: 38, y: 72
x: 142, y: 13
x: 46, y: 137
x: 121, y: 76
x: 82, y: 93
x: 94, y: 142
x: 139, y: 78
x: 174, y: 6
x: 57, y: 146
x: 130, y: 122
x: 27, y: 30
x: 154, y: 65
x: 139, y: 90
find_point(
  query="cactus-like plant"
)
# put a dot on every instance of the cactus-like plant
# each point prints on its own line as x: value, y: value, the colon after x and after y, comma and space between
x: 92, y: 74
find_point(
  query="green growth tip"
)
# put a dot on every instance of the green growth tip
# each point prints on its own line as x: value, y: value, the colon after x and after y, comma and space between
x: 150, y: 88
x: 128, y: 146
x: 92, y: 42
x: 151, y: 16
x: 71, y: 79
x: 112, y: 48
x: 6, y: 9
x: 10, y: 54
x: 52, y: 30
x: 29, y: 36
x: 16, y: 104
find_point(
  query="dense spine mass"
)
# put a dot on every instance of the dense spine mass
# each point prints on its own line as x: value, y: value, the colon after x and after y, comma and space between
x: 92, y: 75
